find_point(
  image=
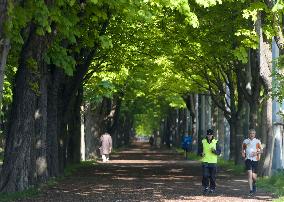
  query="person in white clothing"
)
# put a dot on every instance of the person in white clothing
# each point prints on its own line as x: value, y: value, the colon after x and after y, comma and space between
x: 106, y: 146
x: 251, y: 150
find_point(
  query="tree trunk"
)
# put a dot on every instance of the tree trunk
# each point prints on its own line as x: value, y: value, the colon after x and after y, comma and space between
x: 62, y: 130
x: 68, y: 94
x: 267, y: 157
x: 254, y: 98
x: 55, y: 78
x: 4, y: 50
x: 253, y: 115
x: 191, y: 101
x: 74, y: 127
x: 4, y: 44
x: 94, y: 116
x: 265, y: 73
x: 238, y: 144
x: 218, y: 124
x: 92, y: 131
x: 233, y: 138
x: 41, y: 128
x: 24, y: 160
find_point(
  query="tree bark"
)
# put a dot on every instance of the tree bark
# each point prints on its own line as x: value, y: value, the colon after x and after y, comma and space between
x: 94, y: 116
x: 74, y: 131
x: 4, y: 44
x: 41, y: 127
x: 25, y: 161
x: 265, y: 74
x: 55, y: 77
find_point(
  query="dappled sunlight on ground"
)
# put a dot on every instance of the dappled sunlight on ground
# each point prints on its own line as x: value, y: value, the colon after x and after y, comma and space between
x: 142, y: 176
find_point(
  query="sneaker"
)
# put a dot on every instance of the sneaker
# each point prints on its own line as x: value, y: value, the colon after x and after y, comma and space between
x: 212, y: 191
x: 205, y: 190
x: 251, y: 193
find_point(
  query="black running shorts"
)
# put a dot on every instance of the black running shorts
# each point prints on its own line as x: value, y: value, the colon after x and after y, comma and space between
x: 251, y: 165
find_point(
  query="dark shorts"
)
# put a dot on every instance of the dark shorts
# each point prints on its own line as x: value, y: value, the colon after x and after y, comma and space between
x: 251, y: 165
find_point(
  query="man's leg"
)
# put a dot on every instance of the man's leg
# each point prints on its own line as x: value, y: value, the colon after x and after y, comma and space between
x: 249, y: 169
x: 254, y: 176
x: 205, y: 178
x: 250, y: 180
x: 212, y: 170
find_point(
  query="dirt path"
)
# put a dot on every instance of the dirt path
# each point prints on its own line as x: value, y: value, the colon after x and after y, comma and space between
x: 141, y: 174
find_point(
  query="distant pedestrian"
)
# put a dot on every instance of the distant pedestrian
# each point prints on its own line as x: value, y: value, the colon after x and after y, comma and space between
x: 186, y: 145
x: 106, y: 146
x: 158, y: 142
x: 209, y: 151
x: 151, y: 140
x: 251, y: 150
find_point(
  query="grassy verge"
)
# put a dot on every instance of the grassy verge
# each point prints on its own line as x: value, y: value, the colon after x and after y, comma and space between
x: 231, y: 167
x: 4, y: 197
x: 190, y: 156
x: 71, y: 169
x: 33, y: 192
x: 273, y: 184
x: 225, y: 164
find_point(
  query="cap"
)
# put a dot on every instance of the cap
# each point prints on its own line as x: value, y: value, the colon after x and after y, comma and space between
x: 210, y: 132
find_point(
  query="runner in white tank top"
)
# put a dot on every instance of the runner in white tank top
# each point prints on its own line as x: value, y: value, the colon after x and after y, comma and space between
x: 251, y: 150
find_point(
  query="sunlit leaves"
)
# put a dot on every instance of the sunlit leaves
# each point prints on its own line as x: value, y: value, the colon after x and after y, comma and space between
x: 94, y: 1
x: 278, y: 83
x: 241, y: 54
x: 253, y: 9
x: 248, y: 38
x: 208, y: 3
x: 105, y: 42
x: 279, y: 6
x: 58, y: 56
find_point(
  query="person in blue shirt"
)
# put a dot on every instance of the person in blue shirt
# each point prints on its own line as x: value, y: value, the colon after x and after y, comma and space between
x: 186, y: 145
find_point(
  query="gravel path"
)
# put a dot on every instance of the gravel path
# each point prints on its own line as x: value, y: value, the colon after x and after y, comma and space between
x: 142, y: 174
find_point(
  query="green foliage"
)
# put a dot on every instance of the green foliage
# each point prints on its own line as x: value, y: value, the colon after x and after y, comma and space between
x: 152, y: 53
x: 71, y: 169
x: 32, y: 65
x: 190, y: 155
x: 1, y: 155
x: 147, y: 122
x: 18, y: 195
x: 279, y: 6
x: 208, y: 3
x: 274, y: 184
x: 58, y: 56
x: 34, y: 86
x: 278, y: 82
x: 231, y: 167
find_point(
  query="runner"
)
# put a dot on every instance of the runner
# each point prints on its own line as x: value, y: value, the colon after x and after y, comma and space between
x: 251, y: 151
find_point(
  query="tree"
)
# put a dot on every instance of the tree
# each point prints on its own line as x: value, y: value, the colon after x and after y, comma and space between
x: 4, y: 43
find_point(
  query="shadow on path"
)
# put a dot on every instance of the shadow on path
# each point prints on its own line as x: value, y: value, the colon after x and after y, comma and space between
x: 143, y: 174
